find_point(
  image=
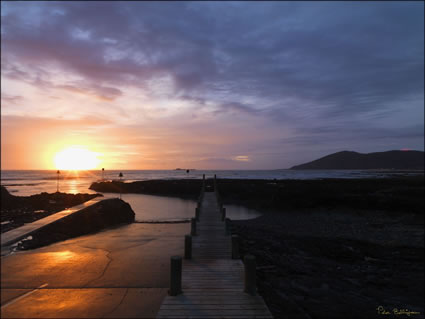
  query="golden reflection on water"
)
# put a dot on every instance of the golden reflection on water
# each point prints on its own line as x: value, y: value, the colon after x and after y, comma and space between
x: 73, y: 189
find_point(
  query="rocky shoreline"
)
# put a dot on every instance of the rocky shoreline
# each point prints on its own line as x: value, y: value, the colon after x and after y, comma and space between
x: 334, y: 248
x: 19, y: 210
x: 336, y: 263
x: 397, y: 194
x: 389, y: 194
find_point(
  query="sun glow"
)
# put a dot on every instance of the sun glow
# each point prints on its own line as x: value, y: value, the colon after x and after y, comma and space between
x: 75, y: 158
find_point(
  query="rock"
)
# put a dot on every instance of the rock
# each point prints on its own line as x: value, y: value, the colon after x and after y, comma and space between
x: 106, y: 213
x: 4, y: 193
x: 185, y: 188
x: 26, y: 209
x: 324, y: 286
x: 267, y: 268
x: 297, y: 286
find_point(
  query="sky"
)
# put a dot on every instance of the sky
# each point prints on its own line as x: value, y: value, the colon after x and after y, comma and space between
x: 209, y: 85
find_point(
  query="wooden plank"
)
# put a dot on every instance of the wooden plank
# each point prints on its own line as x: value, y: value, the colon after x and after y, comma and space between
x: 215, y: 300
x: 218, y: 312
x: 229, y: 279
x: 215, y: 307
x: 221, y: 302
x: 217, y: 303
x: 225, y: 294
x: 194, y: 298
x: 215, y: 317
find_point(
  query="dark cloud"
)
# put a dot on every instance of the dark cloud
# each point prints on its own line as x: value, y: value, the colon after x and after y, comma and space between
x: 338, y: 61
x: 235, y: 107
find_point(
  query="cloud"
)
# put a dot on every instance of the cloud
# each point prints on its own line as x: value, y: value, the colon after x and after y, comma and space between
x: 303, y: 72
x: 241, y: 158
x: 237, y: 107
x: 35, y: 122
x: 352, y: 69
x: 10, y: 99
x: 99, y: 92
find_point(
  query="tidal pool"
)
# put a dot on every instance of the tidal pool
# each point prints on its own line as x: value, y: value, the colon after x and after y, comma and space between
x: 161, y: 208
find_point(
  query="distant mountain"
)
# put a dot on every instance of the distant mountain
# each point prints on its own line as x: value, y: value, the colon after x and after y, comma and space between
x: 379, y: 160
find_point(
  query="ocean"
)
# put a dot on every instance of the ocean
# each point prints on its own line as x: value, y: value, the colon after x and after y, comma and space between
x: 159, y: 208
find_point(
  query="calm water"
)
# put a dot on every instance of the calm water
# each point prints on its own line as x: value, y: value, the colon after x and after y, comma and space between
x: 153, y: 208
x: 160, y: 208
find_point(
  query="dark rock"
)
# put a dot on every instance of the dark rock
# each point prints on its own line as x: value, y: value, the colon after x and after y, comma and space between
x: 185, y: 188
x: 106, y: 213
x: 396, y: 194
x: 5, y: 195
x: 331, y: 274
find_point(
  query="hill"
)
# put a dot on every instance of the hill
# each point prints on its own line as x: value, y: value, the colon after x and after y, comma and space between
x: 378, y: 160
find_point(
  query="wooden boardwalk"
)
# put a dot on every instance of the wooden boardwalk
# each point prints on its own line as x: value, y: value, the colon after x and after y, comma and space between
x: 212, y: 282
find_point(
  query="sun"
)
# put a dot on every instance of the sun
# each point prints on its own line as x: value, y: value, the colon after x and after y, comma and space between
x: 75, y: 158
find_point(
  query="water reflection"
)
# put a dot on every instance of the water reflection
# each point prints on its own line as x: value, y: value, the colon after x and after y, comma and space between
x: 73, y: 187
x: 60, y: 256
x: 157, y: 208
x: 237, y: 212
